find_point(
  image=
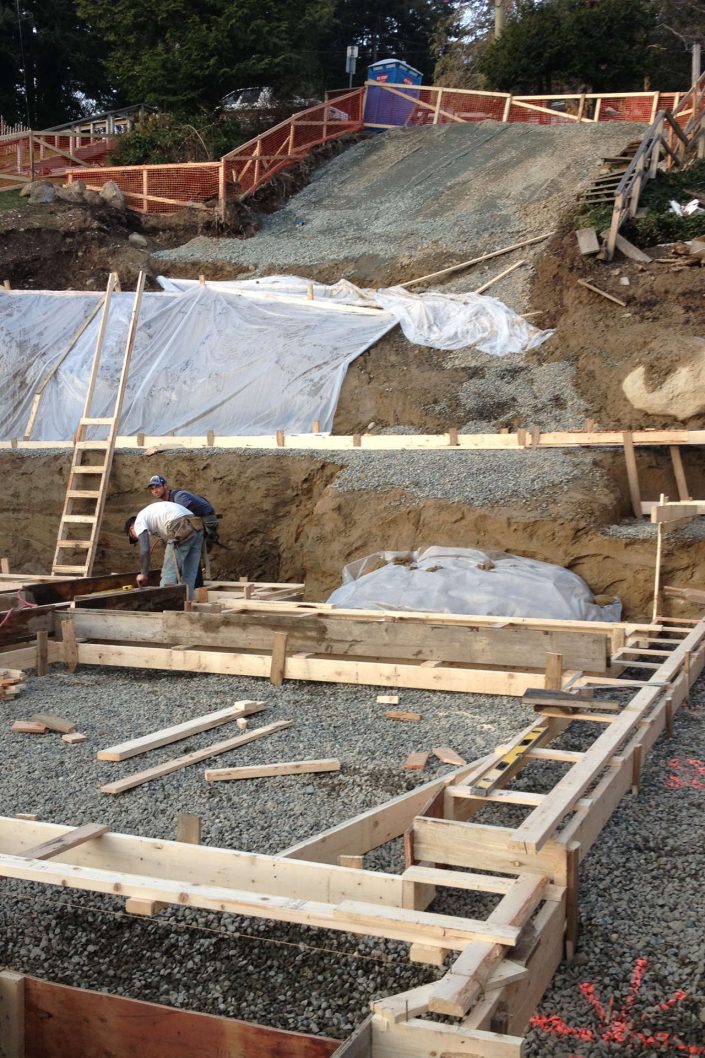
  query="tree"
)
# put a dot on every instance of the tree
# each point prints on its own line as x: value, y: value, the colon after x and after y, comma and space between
x: 186, y: 54
x: 50, y: 64
x: 559, y: 45
x: 382, y: 29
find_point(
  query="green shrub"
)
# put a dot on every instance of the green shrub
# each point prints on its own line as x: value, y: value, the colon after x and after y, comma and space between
x: 163, y: 138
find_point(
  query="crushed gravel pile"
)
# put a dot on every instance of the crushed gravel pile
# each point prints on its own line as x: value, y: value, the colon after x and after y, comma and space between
x: 480, y: 478
x: 458, y: 189
x: 641, y: 886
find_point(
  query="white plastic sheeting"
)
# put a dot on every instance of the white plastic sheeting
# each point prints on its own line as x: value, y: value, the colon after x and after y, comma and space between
x: 452, y: 580
x: 203, y: 360
x: 441, y: 321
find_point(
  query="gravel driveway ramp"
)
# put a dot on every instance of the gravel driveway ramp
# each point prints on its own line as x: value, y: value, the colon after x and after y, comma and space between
x: 456, y: 189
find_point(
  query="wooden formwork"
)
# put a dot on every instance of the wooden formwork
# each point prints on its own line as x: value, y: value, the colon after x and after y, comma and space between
x: 38, y: 1017
x: 500, y: 964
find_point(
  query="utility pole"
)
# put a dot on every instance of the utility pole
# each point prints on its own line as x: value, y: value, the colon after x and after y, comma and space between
x: 499, y: 16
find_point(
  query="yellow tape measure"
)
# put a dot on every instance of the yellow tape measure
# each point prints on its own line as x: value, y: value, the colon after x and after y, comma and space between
x: 483, y: 785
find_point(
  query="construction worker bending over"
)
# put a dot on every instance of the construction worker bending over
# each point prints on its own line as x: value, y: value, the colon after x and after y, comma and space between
x: 198, y: 505
x: 181, y: 531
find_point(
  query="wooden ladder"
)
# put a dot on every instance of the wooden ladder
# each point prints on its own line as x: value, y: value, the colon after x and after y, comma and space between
x: 87, y: 488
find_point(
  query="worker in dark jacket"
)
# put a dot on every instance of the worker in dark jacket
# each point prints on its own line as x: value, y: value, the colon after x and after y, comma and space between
x: 198, y: 505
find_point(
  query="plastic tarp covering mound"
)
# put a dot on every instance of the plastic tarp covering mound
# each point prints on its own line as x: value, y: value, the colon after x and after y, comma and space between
x: 203, y: 360
x: 441, y: 321
x: 467, y: 581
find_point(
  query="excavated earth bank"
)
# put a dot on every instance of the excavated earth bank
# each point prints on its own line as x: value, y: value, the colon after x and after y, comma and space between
x: 290, y: 516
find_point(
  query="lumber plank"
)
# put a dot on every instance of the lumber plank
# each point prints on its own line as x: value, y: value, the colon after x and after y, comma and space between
x: 157, y: 858
x: 374, y: 674
x: 602, y: 293
x: 416, y: 1038
x: 416, y: 760
x: 448, y: 755
x: 54, y: 723
x: 427, y: 923
x: 96, y: 1023
x: 167, y: 735
x: 258, y: 771
x: 64, y: 842
x: 28, y: 727
x: 195, y: 757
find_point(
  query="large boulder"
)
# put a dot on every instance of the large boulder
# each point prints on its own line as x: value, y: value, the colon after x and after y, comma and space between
x: 112, y: 195
x: 41, y: 192
x: 75, y: 192
x: 671, y: 381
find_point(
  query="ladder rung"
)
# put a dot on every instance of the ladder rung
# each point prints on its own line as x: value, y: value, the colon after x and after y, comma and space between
x: 88, y: 470
x: 68, y: 569
x: 97, y: 422
x: 72, y: 545
x: 81, y: 494
x: 98, y: 446
x: 78, y: 518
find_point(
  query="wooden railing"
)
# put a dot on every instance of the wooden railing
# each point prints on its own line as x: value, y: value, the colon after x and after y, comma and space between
x: 27, y: 154
x: 669, y: 141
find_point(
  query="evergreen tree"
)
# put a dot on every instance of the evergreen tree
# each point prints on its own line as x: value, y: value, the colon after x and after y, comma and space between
x: 559, y: 45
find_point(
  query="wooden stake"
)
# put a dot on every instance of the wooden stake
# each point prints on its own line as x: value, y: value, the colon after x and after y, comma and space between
x: 657, y: 572
x: 632, y: 475
x: 42, y: 653
x: 554, y: 672
x: 495, y: 279
x: 603, y: 293
x: 572, y: 905
x: 637, y: 755
x: 12, y: 1014
x: 5, y: 566
x: 276, y: 674
x: 679, y: 473
x: 188, y: 828
x: 70, y: 646
x: 477, y: 260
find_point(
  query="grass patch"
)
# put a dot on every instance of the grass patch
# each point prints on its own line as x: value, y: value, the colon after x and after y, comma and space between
x: 11, y: 200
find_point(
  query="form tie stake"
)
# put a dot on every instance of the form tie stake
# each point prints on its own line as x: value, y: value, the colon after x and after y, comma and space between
x: 621, y: 1027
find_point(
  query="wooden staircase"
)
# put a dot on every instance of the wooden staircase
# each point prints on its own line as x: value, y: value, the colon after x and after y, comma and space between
x: 603, y: 189
x: 87, y: 488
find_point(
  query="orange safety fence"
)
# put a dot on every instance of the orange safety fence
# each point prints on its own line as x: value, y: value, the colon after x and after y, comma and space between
x: 249, y: 166
x: 391, y: 106
x: 38, y: 154
x: 157, y: 188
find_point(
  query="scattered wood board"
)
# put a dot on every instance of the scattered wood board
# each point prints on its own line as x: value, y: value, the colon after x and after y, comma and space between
x: 54, y: 723
x: 73, y: 738
x: 28, y: 727
x: 587, y: 241
x: 448, y: 756
x: 167, y: 735
x: 55, y: 846
x: 400, y: 714
x: 259, y: 771
x: 191, y: 758
x: 388, y: 699
x: 416, y: 761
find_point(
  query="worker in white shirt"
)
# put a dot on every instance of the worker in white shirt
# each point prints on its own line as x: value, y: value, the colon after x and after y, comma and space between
x: 182, y: 533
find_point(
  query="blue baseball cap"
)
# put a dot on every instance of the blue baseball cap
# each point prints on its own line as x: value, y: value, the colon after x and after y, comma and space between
x: 156, y: 479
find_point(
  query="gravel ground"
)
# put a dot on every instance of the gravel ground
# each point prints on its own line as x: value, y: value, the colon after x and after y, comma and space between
x: 221, y: 963
x: 635, y: 905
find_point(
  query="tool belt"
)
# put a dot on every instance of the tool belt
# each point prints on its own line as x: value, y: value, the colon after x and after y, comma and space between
x: 181, y: 530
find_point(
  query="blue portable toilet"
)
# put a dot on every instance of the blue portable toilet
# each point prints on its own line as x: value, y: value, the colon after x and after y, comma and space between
x: 386, y: 108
